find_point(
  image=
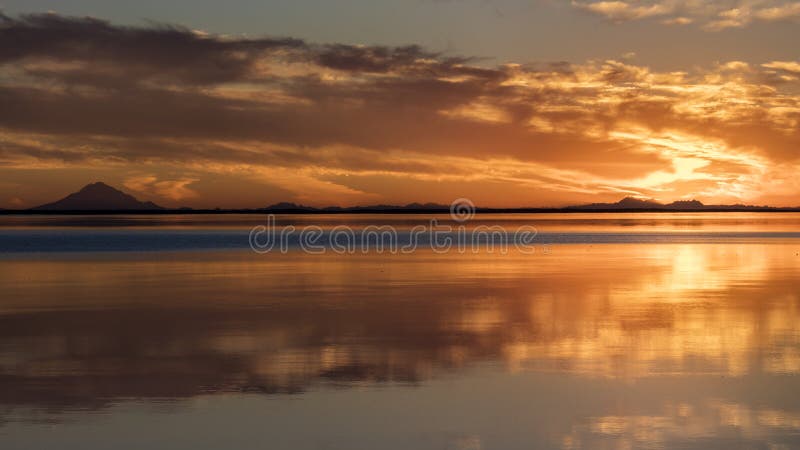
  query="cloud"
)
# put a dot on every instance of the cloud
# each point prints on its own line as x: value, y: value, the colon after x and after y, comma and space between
x: 781, y: 12
x: 711, y: 15
x: 622, y: 10
x: 788, y: 66
x: 366, y: 123
x: 678, y: 21
x: 167, y: 52
x: 169, y: 189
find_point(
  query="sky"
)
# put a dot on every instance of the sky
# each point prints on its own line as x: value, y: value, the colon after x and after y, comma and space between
x: 509, y: 103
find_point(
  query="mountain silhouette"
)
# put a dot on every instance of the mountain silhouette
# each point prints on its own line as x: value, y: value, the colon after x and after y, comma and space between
x: 686, y: 204
x: 98, y: 197
x: 631, y: 203
x: 634, y: 204
x: 625, y: 203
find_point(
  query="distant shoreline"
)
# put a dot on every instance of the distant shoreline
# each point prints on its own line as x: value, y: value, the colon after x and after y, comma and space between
x: 23, y: 212
x: 99, y: 198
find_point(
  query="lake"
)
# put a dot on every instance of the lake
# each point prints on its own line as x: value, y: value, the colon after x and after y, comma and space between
x: 608, y: 331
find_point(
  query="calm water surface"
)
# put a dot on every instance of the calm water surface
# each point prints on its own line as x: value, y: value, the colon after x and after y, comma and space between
x: 686, y: 335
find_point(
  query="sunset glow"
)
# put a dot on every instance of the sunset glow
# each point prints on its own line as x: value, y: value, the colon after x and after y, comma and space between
x: 189, y: 118
x: 395, y: 224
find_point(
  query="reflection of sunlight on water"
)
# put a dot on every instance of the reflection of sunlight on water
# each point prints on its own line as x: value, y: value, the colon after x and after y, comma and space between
x: 603, y: 311
x: 690, y: 312
x: 676, y: 310
x: 685, y: 423
x: 702, y: 268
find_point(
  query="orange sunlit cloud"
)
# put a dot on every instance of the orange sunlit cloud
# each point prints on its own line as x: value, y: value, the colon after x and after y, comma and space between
x: 713, y: 15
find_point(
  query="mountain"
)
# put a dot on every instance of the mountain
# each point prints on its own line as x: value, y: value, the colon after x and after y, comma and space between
x: 625, y: 203
x: 98, y: 197
x: 633, y: 204
x: 102, y: 197
x: 686, y: 204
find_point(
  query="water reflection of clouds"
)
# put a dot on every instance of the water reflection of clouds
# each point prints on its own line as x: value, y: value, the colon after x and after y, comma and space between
x: 87, y: 332
x: 710, y: 424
